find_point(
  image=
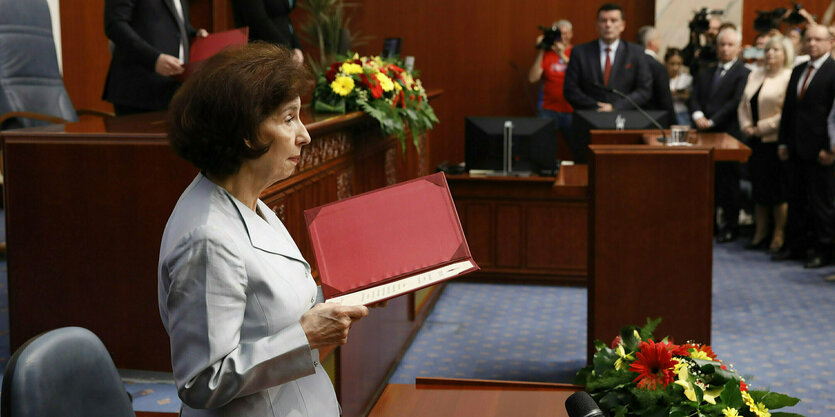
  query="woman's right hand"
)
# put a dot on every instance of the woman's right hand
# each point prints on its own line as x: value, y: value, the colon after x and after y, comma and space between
x: 327, y: 324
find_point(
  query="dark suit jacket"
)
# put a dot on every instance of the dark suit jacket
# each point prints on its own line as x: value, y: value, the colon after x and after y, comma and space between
x: 803, y: 124
x: 141, y: 30
x: 268, y: 20
x: 719, y: 104
x: 630, y: 75
x: 662, y: 98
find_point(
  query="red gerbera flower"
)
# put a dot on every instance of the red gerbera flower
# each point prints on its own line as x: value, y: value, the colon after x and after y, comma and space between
x: 743, y: 386
x: 654, y: 365
x: 616, y: 341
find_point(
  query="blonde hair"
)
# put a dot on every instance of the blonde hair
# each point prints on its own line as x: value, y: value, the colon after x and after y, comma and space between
x: 788, y: 49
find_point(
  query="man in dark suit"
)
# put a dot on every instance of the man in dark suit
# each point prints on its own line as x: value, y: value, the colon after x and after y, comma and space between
x: 716, y: 93
x: 661, y: 98
x: 150, y: 45
x: 808, y: 152
x: 607, y: 61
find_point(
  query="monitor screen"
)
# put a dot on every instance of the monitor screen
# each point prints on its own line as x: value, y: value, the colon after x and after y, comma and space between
x: 391, y: 47
x: 534, y: 144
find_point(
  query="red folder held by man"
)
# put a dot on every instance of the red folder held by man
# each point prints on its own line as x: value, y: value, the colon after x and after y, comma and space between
x: 388, y: 242
x: 202, y: 49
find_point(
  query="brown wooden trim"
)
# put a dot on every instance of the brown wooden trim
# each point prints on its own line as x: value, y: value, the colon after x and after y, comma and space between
x: 430, y: 381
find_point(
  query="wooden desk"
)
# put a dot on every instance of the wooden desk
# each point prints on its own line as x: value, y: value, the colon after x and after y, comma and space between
x: 526, y: 228
x: 86, y: 204
x: 725, y: 147
x: 473, y: 398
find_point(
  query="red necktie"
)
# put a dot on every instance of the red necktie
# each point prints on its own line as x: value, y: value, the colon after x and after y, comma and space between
x: 607, y: 69
x: 805, y: 81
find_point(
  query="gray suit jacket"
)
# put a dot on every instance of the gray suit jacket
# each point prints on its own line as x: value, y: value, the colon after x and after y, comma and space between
x: 232, y: 288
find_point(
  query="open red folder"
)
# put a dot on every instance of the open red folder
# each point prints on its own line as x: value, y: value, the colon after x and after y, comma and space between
x: 202, y: 49
x: 388, y: 242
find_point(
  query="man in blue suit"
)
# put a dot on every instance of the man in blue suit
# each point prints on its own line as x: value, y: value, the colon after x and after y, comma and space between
x: 606, y: 62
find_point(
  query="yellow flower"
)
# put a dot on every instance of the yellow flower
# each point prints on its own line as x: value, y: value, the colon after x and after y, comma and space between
x: 761, y: 410
x: 698, y: 354
x: 385, y: 82
x: 356, y: 56
x: 350, y: 68
x: 730, y: 412
x: 342, y: 85
x: 621, y: 363
x: 708, y: 396
x: 397, y: 86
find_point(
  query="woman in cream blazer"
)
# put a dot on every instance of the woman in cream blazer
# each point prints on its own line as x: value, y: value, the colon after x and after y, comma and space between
x: 759, y: 113
x: 235, y: 295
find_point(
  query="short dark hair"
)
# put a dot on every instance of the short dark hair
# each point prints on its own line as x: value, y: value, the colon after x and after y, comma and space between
x: 222, y: 105
x: 671, y: 52
x: 606, y: 7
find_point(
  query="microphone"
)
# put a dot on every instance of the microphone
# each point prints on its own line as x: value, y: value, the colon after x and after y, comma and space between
x: 663, y: 138
x: 580, y: 404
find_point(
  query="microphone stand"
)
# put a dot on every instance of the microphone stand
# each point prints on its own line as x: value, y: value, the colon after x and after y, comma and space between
x: 663, y: 138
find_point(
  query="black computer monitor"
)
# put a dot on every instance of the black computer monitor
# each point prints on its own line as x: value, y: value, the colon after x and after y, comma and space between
x: 534, y: 144
x: 584, y: 120
x: 391, y: 47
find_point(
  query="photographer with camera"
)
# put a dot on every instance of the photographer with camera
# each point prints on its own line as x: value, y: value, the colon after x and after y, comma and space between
x: 705, y: 24
x: 554, y: 50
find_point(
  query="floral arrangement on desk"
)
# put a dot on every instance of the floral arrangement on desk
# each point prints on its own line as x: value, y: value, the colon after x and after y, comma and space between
x: 380, y: 87
x: 636, y: 376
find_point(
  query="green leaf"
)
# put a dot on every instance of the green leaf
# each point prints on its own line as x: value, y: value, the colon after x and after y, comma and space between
x: 773, y: 400
x: 604, y: 360
x: 583, y: 375
x: 599, y: 345
x: 649, y: 328
x: 731, y: 396
x: 321, y: 106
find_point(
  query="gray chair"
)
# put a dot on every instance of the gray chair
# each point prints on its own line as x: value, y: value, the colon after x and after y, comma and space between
x: 65, y: 372
x: 32, y: 91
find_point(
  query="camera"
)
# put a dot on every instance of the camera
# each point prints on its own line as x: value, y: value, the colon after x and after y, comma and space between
x: 795, y: 18
x: 549, y: 36
x: 768, y: 20
x: 701, y: 23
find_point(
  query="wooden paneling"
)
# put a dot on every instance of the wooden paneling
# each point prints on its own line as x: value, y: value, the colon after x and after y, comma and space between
x: 86, y: 54
x: 531, y: 229
x: 650, y: 240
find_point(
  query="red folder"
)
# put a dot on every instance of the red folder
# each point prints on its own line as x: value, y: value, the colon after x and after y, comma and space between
x: 202, y: 49
x: 388, y: 242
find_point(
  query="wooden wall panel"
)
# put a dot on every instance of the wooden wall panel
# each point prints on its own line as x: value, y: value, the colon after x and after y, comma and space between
x: 509, y: 235
x: 557, y: 222
x: 86, y: 54
x: 476, y: 218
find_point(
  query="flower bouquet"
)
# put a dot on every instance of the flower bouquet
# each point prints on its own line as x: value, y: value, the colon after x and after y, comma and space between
x: 382, y: 89
x: 636, y: 376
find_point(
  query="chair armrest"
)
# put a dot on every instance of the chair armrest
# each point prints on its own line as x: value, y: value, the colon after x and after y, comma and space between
x: 31, y: 115
x: 93, y: 112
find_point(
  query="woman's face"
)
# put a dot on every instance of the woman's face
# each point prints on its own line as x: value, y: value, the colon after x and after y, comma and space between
x: 775, y: 56
x: 674, y: 66
x: 287, y: 135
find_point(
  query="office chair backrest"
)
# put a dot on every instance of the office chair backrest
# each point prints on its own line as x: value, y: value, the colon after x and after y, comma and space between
x: 29, y: 77
x: 65, y: 372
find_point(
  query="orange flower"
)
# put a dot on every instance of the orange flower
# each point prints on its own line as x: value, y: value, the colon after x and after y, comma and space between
x: 654, y: 365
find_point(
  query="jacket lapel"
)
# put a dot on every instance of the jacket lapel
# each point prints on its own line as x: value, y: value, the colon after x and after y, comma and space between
x: 169, y: 4
x: 267, y: 235
x: 596, y: 68
x: 620, y: 61
x: 822, y: 72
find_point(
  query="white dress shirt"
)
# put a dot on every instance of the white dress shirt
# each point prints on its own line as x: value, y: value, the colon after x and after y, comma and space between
x: 613, y: 49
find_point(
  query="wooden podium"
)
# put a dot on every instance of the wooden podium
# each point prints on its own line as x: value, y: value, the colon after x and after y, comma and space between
x: 650, y: 240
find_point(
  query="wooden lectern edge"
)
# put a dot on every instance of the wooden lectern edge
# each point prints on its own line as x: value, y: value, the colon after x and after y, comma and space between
x: 430, y: 381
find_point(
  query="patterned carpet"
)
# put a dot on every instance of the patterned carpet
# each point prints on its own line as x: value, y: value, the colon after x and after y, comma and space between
x: 772, y: 320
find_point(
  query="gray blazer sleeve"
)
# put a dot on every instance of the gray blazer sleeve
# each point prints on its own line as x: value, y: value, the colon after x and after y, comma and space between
x: 206, y: 305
